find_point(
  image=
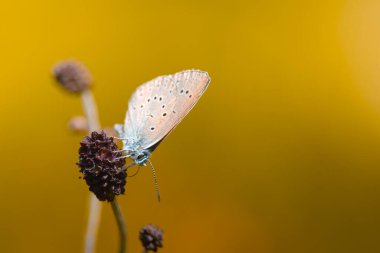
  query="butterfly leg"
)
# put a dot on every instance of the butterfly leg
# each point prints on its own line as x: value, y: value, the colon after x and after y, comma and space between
x: 130, y: 165
x: 117, y: 138
x: 134, y: 174
x: 119, y: 151
x: 122, y: 157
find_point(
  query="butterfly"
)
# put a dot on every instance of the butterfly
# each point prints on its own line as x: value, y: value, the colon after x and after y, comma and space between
x: 155, y: 109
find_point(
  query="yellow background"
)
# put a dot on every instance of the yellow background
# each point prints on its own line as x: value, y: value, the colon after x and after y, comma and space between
x: 281, y: 154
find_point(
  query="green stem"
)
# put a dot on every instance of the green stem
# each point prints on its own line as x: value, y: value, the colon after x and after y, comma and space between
x: 121, y: 225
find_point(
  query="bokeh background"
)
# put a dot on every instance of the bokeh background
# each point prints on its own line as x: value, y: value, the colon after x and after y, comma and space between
x: 281, y: 154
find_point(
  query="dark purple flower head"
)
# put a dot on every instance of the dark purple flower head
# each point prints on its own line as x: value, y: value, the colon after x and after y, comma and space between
x: 151, y: 237
x: 102, y: 167
x: 72, y: 75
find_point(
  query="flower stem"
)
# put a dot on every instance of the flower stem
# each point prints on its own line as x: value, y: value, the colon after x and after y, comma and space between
x: 95, y: 208
x: 121, y: 225
x: 91, y: 110
x: 94, y: 212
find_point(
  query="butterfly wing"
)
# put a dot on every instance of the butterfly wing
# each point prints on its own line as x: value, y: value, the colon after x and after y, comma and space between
x: 156, y: 107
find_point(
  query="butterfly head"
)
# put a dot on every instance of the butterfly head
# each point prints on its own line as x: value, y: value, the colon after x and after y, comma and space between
x: 140, y: 157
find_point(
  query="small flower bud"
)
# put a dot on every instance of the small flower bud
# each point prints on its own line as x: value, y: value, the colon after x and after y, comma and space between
x: 102, y: 167
x: 151, y: 237
x: 78, y: 124
x: 72, y: 75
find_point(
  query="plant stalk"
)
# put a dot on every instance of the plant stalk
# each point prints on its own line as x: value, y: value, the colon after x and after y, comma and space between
x: 121, y: 225
x: 95, y: 207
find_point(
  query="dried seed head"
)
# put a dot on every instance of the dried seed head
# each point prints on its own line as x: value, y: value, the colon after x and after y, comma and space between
x: 72, y: 75
x: 102, y: 167
x: 151, y: 237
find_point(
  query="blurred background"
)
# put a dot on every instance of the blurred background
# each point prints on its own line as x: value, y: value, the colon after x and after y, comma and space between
x: 281, y: 154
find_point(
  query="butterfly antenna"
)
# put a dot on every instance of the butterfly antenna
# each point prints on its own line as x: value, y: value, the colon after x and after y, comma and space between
x: 155, y: 181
